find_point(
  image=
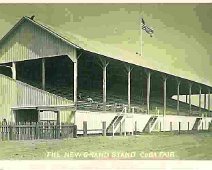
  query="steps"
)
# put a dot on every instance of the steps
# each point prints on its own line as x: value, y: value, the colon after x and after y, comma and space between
x: 197, y: 123
x: 114, y: 124
x: 117, y: 121
x: 150, y: 124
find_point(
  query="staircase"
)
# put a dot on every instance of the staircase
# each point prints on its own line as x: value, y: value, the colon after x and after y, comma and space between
x: 197, y: 123
x: 117, y: 120
x: 150, y: 124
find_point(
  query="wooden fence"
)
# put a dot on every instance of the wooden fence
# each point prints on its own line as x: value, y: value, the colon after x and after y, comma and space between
x: 33, y: 131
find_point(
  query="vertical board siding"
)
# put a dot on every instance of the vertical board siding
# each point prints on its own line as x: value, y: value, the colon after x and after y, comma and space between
x: 15, y: 93
x: 31, y: 96
x: 30, y: 41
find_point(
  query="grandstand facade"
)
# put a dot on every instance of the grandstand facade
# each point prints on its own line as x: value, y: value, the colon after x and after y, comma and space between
x: 45, y: 77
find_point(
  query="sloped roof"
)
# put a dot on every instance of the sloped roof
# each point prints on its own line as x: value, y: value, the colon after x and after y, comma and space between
x: 41, y: 26
x: 97, y: 48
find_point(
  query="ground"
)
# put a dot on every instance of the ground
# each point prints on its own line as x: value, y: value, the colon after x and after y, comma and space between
x: 196, y: 146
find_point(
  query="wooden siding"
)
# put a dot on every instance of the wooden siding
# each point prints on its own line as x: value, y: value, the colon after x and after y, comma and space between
x: 30, y: 41
x: 16, y: 94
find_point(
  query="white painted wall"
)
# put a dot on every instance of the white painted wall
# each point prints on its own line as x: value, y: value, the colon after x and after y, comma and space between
x: 95, y: 119
x: 165, y: 122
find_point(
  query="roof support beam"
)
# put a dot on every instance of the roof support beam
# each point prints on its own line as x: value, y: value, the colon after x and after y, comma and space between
x: 190, y: 88
x: 178, y: 97
x: 148, y: 89
x: 200, y: 94
x: 205, y: 99
x: 129, y: 69
x: 75, y: 76
x: 164, y: 94
x: 209, y: 101
x: 104, y: 64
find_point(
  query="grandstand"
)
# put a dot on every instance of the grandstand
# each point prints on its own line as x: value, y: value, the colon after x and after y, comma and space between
x: 52, y: 74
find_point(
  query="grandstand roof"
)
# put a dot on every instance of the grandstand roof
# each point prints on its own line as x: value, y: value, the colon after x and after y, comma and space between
x: 97, y: 48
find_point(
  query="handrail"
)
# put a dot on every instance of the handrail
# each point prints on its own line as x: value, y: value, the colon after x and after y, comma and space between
x: 124, y: 110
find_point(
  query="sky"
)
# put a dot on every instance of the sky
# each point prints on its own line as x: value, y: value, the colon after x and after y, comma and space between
x: 181, y: 44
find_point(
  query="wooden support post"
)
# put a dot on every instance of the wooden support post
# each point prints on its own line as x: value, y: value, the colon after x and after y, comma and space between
x: 209, y: 102
x: 188, y: 126
x: 104, y: 86
x: 38, y: 115
x: 129, y: 88
x: 202, y: 126
x: 37, y: 126
x: 164, y: 95
x: 10, y: 132
x: 84, y: 128
x: 179, y: 127
x: 135, y: 133
x: 186, y: 98
x: 13, y: 70
x: 178, y: 97
x: 205, y: 99
x: 43, y: 74
x: 75, y: 131
x: 190, y: 85
x: 103, y: 128
x: 104, y: 66
x: 170, y: 126
x: 58, y: 124
x: 200, y: 94
x: 148, y: 89
x: 75, y: 81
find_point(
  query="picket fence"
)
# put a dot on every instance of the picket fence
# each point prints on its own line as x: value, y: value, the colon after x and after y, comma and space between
x: 35, y: 130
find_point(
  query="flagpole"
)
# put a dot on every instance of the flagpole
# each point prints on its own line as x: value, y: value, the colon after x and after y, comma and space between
x: 141, y: 32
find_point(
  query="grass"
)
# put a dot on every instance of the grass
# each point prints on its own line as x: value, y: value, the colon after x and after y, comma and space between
x: 147, y: 146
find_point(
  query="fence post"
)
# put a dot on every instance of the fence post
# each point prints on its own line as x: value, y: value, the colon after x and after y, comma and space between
x: 75, y: 131
x: 10, y: 132
x: 188, y: 126
x: 0, y: 131
x: 171, y: 126
x: 179, y: 127
x: 84, y: 128
x: 103, y: 128
x: 135, y: 133
x: 202, y: 126
x: 160, y: 127
x: 37, y: 130
x: 125, y: 129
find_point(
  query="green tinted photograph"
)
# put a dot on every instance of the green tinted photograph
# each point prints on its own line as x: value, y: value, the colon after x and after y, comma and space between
x: 106, y: 81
